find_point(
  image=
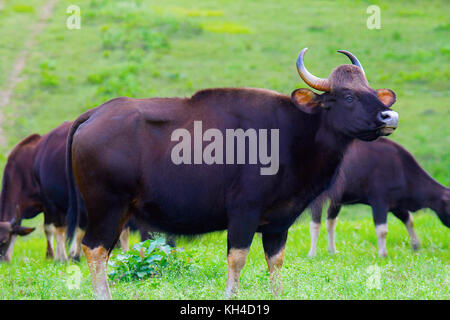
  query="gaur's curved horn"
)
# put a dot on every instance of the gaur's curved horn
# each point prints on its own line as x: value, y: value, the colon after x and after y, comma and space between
x: 311, y: 80
x: 352, y: 58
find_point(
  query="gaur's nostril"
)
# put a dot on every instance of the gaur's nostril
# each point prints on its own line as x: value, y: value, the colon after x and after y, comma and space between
x: 390, y: 118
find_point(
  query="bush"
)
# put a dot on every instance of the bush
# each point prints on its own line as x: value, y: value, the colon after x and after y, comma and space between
x: 146, y: 259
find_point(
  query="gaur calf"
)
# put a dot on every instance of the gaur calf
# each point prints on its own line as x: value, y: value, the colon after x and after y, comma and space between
x: 386, y: 176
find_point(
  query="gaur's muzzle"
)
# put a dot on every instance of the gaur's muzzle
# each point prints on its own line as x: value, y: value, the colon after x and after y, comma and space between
x: 390, y: 120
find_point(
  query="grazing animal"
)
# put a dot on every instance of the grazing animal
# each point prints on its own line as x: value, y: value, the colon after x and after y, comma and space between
x: 9, y: 230
x: 120, y: 157
x: 385, y: 176
x: 31, y: 185
x: 34, y: 181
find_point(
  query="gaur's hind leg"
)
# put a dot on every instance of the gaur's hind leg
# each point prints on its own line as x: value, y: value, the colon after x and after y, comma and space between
x: 314, y: 228
x: 241, y: 229
x: 60, y: 236
x: 75, y: 249
x: 54, y: 225
x: 406, y: 218
x: 274, y: 244
x: 332, y: 214
x: 379, y: 214
x: 106, y: 219
x: 49, y: 230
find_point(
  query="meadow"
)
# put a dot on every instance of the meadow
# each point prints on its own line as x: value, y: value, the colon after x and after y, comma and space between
x: 143, y: 48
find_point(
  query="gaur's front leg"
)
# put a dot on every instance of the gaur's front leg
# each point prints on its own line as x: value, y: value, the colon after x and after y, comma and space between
x: 406, y: 218
x: 332, y: 214
x: 314, y: 228
x: 241, y: 229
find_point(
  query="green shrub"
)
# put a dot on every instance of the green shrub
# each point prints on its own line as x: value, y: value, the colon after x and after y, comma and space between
x: 146, y: 259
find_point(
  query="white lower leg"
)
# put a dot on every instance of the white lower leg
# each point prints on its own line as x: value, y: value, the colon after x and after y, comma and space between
x: 412, y: 235
x: 75, y: 249
x: 97, y: 259
x: 236, y: 261
x: 275, y: 263
x: 49, y: 230
x: 331, y: 231
x: 314, y: 229
x: 9, y: 250
x: 381, y: 231
x: 60, y: 235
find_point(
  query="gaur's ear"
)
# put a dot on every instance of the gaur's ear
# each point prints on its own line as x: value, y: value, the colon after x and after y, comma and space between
x: 386, y: 96
x: 306, y: 100
x: 22, y: 231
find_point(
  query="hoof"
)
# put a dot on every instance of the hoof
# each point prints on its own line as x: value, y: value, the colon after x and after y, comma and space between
x: 311, y: 254
x: 332, y: 251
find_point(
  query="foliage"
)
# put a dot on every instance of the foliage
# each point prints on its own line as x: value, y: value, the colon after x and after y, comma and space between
x: 146, y: 259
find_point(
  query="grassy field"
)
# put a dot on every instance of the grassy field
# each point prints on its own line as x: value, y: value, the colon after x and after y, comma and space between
x: 347, y: 275
x: 141, y: 48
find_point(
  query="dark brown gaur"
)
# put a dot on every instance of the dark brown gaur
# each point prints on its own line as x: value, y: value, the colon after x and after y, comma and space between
x: 119, y: 156
x: 34, y: 181
x: 385, y: 176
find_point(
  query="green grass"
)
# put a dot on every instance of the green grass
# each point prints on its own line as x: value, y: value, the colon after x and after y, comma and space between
x: 403, y: 275
x: 142, y: 48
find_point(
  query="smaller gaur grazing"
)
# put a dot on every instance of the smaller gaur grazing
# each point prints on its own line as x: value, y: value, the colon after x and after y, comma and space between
x: 384, y: 175
x: 31, y: 185
x: 34, y: 181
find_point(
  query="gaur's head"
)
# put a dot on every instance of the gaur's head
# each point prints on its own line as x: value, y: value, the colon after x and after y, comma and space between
x: 19, y: 190
x: 349, y: 105
x: 443, y: 208
x: 9, y: 230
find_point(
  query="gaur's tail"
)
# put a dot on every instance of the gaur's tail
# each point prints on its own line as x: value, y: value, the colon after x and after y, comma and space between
x: 76, y: 204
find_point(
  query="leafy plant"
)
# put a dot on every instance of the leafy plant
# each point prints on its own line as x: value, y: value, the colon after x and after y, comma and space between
x: 146, y: 259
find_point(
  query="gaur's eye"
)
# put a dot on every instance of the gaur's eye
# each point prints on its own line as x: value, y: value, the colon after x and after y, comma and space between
x: 349, y: 99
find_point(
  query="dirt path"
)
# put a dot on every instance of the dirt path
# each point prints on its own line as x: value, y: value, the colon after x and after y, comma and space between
x: 14, y: 75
